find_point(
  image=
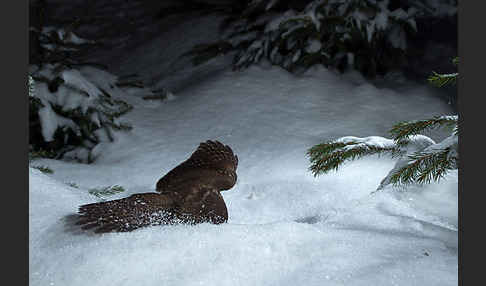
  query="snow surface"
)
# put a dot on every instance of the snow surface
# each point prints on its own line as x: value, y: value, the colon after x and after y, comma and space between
x: 285, y: 226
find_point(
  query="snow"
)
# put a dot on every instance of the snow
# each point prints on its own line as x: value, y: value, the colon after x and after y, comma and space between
x: 381, y: 20
x: 368, y: 141
x: 65, y: 36
x: 442, y: 7
x: 313, y: 46
x: 397, y: 38
x: 270, y: 4
x: 50, y: 121
x: 285, y: 226
x: 296, y: 56
x: 75, y: 78
x: 416, y: 143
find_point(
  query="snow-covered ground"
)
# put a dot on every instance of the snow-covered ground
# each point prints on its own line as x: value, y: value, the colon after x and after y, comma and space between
x: 285, y: 226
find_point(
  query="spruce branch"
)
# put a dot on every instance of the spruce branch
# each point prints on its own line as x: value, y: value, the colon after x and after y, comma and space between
x: 37, y: 154
x: 106, y: 191
x: 403, y: 130
x: 329, y: 156
x: 44, y: 169
x: 430, y: 163
x: 424, y: 167
x: 441, y: 80
x: 73, y: 185
x: 455, y: 61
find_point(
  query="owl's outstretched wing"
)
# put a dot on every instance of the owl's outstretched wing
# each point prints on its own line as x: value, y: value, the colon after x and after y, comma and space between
x: 209, y: 156
x: 128, y: 213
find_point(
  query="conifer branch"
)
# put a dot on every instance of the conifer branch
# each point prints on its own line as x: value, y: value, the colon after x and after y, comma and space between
x: 430, y: 163
x: 329, y: 156
x: 424, y: 167
x: 403, y: 130
x: 106, y: 191
x: 441, y: 80
x: 455, y: 61
x: 44, y: 169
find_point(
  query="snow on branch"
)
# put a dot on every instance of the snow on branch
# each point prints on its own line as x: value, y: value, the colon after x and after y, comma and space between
x: 421, y: 160
x: 329, y: 156
x: 443, y: 79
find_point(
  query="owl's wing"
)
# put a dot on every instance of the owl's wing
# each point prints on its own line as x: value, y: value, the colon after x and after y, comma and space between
x: 210, y: 155
x: 128, y: 213
x: 203, y: 204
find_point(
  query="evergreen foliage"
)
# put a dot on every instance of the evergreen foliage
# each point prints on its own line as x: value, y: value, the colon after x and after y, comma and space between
x: 441, y: 80
x: 421, y: 160
x: 44, y: 169
x: 425, y: 167
x: 70, y: 114
x: 106, y: 191
x: 73, y: 185
x: 368, y: 35
x: 74, y: 105
x: 402, y: 130
x: 329, y: 156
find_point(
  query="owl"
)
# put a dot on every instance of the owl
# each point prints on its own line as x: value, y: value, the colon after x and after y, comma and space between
x: 189, y: 193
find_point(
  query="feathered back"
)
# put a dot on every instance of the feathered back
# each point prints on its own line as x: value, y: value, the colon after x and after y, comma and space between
x: 212, y: 163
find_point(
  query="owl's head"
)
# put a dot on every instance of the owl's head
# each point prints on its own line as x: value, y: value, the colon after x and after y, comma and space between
x: 221, y: 159
x: 227, y: 173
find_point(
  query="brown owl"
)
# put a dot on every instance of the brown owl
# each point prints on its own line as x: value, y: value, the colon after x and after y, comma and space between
x: 189, y: 193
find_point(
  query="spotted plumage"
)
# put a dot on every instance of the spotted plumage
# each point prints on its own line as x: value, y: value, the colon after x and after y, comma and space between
x: 189, y: 193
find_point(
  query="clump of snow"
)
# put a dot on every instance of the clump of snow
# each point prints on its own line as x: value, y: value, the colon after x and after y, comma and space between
x: 377, y: 141
x: 67, y: 37
x: 270, y: 4
x: 416, y: 143
x: 50, y: 122
x: 398, y: 38
x: 381, y: 20
x: 75, y: 78
x: 313, y: 46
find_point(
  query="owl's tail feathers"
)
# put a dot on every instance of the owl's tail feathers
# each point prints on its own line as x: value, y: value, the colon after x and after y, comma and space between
x: 127, y: 214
